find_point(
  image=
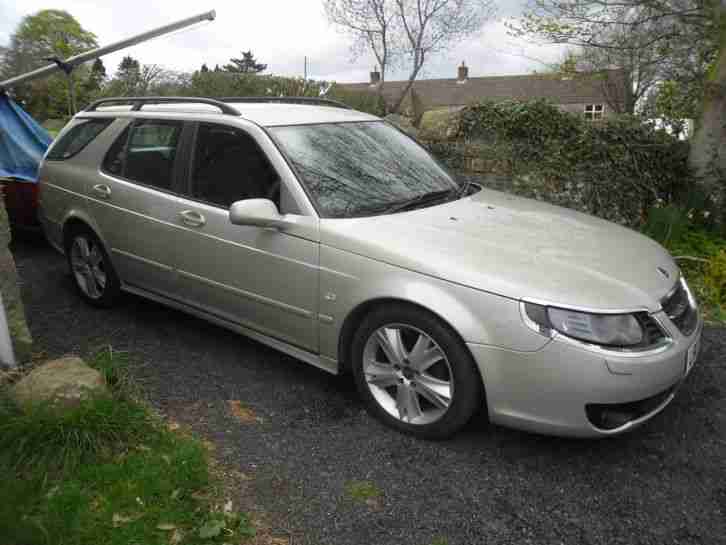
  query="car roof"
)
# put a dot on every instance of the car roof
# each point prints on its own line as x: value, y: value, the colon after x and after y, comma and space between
x: 264, y: 114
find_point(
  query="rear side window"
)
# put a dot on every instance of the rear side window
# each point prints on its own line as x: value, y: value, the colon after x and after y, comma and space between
x: 77, y: 138
x: 145, y: 153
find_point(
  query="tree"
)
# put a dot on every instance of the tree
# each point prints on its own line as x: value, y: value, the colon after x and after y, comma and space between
x: 150, y: 76
x: 627, y: 72
x: 372, y: 25
x: 432, y: 26
x: 38, y: 37
x: 246, y: 65
x: 408, y: 31
x: 135, y: 79
x: 688, y: 35
x: 127, y: 76
x: 96, y: 77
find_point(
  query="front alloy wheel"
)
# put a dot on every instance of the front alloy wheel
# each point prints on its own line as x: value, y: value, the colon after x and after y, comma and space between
x: 408, y: 374
x: 414, y: 372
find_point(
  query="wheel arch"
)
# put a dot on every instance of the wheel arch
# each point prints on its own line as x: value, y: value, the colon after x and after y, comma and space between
x: 357, y: 314
x: 75, y: 219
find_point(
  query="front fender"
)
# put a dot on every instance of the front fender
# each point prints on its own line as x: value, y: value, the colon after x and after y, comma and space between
x: 348, y: 281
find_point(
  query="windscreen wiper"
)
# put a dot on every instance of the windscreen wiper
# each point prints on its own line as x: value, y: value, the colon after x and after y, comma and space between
x: 464, y: 191
x: 424, y: 198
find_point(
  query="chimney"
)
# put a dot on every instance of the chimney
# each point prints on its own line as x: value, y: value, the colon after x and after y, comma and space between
x: 375, y: 77
x: 463, y: 73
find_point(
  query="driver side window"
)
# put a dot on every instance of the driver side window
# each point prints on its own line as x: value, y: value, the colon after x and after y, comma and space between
x: 229, y: 166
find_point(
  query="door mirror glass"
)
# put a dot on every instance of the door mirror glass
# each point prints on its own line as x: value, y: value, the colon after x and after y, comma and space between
x: 259, y: 212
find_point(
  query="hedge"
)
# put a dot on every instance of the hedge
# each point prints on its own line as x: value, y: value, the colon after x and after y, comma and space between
x: 616, y: 168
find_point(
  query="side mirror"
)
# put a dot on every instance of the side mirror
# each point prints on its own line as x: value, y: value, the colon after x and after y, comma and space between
x: 259, y: 212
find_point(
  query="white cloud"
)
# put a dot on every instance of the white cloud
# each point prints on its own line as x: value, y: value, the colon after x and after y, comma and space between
x: 279, y: 32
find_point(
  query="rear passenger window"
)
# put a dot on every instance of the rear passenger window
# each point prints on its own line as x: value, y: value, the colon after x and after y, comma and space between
x: 145, y: 153
x: 77, y: 138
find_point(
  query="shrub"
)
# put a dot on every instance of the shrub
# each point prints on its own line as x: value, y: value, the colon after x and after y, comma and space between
x: 371, y: 103
x: 714, y: 280
x: 616, y: 169
x: 701, y: 255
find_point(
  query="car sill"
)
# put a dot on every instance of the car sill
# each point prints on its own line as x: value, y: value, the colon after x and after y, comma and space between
x: 326, y: 364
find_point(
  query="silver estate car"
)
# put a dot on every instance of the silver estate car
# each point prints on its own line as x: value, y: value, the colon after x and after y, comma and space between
x: 332, y: 236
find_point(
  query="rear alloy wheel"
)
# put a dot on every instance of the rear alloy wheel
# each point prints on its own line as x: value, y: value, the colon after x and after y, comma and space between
x: 415, y: 373
x: 92, y: 271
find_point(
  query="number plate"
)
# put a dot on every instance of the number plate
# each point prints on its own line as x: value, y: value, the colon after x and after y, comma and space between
x: 692, y: 355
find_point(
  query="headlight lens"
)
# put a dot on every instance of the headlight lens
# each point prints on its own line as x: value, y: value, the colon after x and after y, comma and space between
x: 604, y: 329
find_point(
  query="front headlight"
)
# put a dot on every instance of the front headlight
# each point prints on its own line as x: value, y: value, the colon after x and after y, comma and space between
x: 605, y: 329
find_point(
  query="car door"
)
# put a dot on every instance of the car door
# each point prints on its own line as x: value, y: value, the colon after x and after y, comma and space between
x: 262, y: 278
x: 135, y: 200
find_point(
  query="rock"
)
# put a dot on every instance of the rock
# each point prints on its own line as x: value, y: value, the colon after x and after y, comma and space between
x: 63, y: 382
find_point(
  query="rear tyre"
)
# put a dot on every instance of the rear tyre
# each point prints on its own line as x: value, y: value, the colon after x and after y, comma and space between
x: 414, y: 372
x: 91, y: 269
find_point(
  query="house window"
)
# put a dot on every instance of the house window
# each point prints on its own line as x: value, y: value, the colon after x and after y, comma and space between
x: 593, y: 112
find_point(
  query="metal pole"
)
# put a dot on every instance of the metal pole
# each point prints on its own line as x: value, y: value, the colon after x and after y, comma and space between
x: 112, y: 48
x: 7, y: 355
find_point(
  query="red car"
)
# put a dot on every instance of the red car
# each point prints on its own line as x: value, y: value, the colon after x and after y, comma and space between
x: 21, y: 202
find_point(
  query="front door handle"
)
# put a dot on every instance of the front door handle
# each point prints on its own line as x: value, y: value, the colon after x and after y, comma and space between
x: 102, y: 190
x: 192, y: 218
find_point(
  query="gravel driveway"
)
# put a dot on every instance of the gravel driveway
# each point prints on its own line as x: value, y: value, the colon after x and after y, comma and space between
x: 312, y: 442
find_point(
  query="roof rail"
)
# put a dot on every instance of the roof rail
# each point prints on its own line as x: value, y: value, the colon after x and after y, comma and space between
x: 138, y: 102
x: 289, y: 100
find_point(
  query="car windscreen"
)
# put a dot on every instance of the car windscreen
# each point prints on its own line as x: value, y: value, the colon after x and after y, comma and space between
x: 361, y: 168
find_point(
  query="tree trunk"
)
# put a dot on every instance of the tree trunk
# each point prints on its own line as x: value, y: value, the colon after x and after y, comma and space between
x: 708, y: 146
x: 406, y: 89
x: 14, y: 311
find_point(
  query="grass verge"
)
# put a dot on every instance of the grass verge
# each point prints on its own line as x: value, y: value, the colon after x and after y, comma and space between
x: 702, y: 258
x: 107, y: 472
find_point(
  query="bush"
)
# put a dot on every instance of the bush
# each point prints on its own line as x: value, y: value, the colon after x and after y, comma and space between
x: 616, y: 169
x: 701, y: 255
x: 228, y: 84
x: 714, y: 281
x: 371, y: 103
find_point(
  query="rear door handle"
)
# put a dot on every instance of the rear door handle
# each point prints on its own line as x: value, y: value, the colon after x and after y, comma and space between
x: 192, y: 218
x: 102, y: 191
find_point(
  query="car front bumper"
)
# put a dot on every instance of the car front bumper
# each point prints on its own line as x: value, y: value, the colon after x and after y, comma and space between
x: 564, y: 389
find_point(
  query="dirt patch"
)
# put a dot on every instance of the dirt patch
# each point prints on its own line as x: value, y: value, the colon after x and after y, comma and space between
x: 243, y: 414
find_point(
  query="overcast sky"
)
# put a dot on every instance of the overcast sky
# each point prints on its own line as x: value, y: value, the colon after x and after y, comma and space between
x: 279, y: 32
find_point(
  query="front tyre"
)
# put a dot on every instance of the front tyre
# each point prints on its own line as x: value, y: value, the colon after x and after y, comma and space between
x: 91, y: 269
x: 414, y: 373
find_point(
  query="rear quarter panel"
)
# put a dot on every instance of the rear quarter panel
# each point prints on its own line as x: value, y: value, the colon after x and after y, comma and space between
x: 64, y: 185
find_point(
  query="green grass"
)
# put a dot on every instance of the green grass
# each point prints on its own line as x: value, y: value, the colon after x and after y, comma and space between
x: 362, y: 490
x: 702, y: 258
x: 107, y: 472
x: 54, y: 126
x: 700, y: 252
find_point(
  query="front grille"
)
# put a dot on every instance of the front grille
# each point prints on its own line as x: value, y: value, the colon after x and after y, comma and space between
x: 678, y: 307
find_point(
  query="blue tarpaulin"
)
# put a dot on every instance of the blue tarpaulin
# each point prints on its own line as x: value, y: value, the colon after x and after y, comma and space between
x: 22, y: 142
